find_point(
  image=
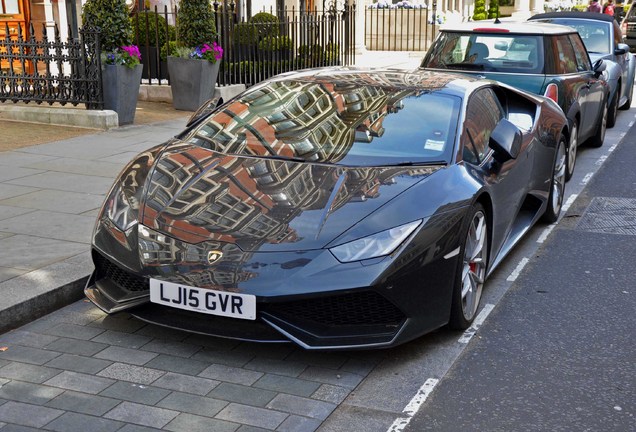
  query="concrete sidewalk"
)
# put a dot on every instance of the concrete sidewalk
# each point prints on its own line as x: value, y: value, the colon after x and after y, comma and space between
x: 50, y: 195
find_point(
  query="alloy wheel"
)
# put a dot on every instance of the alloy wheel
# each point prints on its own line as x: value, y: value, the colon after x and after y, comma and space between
x: 558, y: 181
x: 572, y: 149
x: 474, y: 265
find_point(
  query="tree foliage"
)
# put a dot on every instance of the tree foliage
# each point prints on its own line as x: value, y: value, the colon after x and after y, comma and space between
x: 480, y: 10
x: 493, y: 10
x: 195, y: 23
x: 111, y: 16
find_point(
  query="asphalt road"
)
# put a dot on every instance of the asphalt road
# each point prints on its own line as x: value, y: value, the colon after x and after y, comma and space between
x: 558, y: 352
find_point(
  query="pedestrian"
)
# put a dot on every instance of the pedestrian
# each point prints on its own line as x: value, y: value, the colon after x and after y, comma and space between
x: 609, y: 8
x: 594, y: 7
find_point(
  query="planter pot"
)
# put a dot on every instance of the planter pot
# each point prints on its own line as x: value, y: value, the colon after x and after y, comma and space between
x: 121, y: 90
x: 192, y: 82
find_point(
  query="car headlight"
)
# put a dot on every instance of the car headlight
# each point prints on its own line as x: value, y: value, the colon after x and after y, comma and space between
x: 376, y: 245
x: 121, y: 209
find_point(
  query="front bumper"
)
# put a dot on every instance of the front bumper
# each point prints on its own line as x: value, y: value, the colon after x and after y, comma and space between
x: 344, y: 319
x: 305, y: 297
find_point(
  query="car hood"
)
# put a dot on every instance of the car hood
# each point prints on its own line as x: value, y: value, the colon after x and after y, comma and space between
x: 194, y: 194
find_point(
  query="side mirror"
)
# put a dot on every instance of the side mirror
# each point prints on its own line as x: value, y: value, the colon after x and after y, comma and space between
x: 505, y: 140
x: 621, y: 49
x: 599, y: 67
x: 205, y: 109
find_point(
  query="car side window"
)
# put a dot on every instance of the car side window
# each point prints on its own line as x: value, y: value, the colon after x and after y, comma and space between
x: 483, y: 112
x: 566, y: 60
x: 582, y: 59
x: 618, y: 35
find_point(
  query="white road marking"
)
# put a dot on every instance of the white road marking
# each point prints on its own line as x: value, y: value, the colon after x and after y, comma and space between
x: 515, y: 273
x: 601, y: 160
x: 568, y: 203
x: 470, y: 332
x: 414, y: 405
x: 612, y: 148
x: 546, y: 232
x: 587, y: 178
x: 631, y: 123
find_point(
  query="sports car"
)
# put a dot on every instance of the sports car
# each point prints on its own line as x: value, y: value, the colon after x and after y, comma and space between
x: 337, y: 208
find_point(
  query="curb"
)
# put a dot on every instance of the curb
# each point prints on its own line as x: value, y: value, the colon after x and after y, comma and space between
x: 42, y: 304
x: 91, y: 119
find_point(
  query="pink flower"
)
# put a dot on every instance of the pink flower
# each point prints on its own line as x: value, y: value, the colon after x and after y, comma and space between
x: 132, y: 51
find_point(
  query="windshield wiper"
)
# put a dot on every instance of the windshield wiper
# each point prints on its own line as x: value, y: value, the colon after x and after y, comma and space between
x: 421, y: 163
x: 467, y: 66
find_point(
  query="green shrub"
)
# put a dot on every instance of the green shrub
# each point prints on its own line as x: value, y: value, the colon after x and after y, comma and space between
x: 480, y: 10
x: 245, y: 34
x: 493, y: 10
x: 266, y: 24
x: 111, y: 16
x: 580, y: 7
x: 168, y: 49
x: 147, y: 25
x: 195, y: 23
x: 274, y: 43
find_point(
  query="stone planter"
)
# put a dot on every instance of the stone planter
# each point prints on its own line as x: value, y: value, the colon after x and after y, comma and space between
x: 192, y: 82
x: 121, y: 90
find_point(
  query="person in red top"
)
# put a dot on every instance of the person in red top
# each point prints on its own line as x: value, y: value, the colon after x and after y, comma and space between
x: 609, y: 8
x: 594, y: 7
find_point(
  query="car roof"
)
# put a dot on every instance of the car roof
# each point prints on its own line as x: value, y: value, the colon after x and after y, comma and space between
x: 419, y: 79
x: 514, y: 27
x: 573, y: 14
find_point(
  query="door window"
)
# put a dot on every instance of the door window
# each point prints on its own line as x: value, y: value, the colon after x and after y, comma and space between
x: 9, y: 7
x: 482, y: 115
x: 566, y: 60
x: 582, y: 59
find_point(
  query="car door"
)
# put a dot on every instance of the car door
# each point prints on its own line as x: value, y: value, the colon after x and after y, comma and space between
x: 509, y: 181
x: 621, y: 59
x: 595, y: 98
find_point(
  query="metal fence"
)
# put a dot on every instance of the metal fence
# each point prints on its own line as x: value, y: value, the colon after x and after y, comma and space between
x: 253, y: 51
x: 400, y: 29
x: 36, y: 69
x: 40, y: 70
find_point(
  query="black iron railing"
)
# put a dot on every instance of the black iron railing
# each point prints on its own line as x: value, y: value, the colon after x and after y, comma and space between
x: 40, y: 70
x: 400, y: 29
x: 253, y: 51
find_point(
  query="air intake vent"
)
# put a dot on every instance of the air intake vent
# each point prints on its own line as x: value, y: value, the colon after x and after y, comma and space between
x: 122, y: 278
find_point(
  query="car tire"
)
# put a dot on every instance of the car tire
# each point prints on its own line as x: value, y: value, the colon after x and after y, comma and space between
x: 599, y: 136
x: 628, y: 103
x: 471, y: 269
x: 612, y: 112
x: 557, y: 185
x: 572, y: 149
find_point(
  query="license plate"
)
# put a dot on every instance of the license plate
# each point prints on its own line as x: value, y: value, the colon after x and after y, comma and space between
x: 206, y: 301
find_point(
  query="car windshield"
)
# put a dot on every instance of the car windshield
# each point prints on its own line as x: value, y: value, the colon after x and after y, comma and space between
x: 496, y: 52
x: 595, y: 34
x: 335, y: 123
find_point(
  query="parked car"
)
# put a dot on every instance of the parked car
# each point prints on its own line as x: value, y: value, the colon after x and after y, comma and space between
x: 335, y: 208
x: 603, y: 39
x: 546, y: 59
x: 628, y: 27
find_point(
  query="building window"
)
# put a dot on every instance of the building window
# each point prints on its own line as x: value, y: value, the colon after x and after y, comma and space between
x: 9, y: 7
